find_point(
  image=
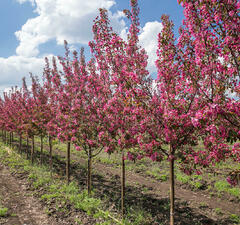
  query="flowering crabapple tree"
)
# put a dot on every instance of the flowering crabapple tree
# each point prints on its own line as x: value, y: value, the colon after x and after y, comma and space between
x: 61, y: 98
x: 87, y: 105
x: 76, y: 92
x: 8, y: 115
x: 15, y: 113
x: 173, y: 104
x: 31, y: 112
x: 123, y: 66
x: 214, y: 27
x: 52, y: 85
x: 41, y: 115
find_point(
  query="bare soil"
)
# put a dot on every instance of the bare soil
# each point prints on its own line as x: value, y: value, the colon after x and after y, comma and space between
x: 23, y: 208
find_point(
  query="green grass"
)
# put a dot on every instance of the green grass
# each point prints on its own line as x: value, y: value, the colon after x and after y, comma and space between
x: 235, y: 218
x: 235, y: 192
x: 138, y: 216
x: 218, y: 211
x: 227, y: 165
x: 194, y: 180
x: 203, y: 204
x: 184, y: 179
x: 107, y: 160
x: 224, y: 186
x: 3, y: 212
x: 157, y: 173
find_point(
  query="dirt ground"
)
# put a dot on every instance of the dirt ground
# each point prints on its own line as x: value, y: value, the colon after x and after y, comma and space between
x: 23, y: 208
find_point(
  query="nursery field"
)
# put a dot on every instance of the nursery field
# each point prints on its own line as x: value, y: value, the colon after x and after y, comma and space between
x: 30, y: 194
x: 112, y: 136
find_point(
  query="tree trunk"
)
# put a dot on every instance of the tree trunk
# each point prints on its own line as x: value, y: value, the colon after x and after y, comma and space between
x: 41, y: 150
x: 172, y: 191
x: 10, y: 137
x: 20, y: 143
x: 123, y: 183
x: 50, y: 154
x: 9, y: 140
x: 27, y: 147
x: 89, y: 180
x: 68, y: 162
x: 32, y: 150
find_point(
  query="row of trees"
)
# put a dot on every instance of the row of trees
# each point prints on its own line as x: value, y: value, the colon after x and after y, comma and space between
x: 111, y: 103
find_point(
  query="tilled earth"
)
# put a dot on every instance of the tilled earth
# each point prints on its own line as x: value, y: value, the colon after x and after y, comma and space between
x: 23, y: 208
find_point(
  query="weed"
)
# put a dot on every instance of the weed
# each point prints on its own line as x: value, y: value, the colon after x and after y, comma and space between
x: 156, y: 173
x: 107, y: 160
x: 137, y: 216
x: 234, y: 192
x: 197, y: 184
x: 47, y: 212
x: 234, y: 218
x: 218, y: 211
x: 145, y: 189
x: 139, y: 168
x: 182, y: 178
x: 78, y: 221
x: 3, y: 212
x: 203, y: 204
x: 224, y: 186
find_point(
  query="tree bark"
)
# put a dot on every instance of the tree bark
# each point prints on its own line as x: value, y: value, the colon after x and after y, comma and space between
x: 20, y: 143
x: 32, y: 150
x: 27, y: 148
x: 123, y: 184
x: 9, y: 140
x: 68, y: 162
x: 41, y: 150
x: 172, y: 187
x: 89, y: 181
x: 50, y: 154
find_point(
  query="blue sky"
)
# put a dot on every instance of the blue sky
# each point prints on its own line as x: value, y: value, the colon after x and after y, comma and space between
x: 33, y: 29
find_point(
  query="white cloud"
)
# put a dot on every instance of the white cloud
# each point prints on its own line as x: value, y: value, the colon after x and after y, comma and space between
x: 149, y: 40
x: 60, y: 20
x: 14, y: 68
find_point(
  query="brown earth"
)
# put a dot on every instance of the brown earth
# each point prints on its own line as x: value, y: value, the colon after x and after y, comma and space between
x: 23, y: 208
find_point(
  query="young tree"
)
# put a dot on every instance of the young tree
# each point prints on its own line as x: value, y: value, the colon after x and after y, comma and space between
x: 123, y: 66
x: 214, y: 28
